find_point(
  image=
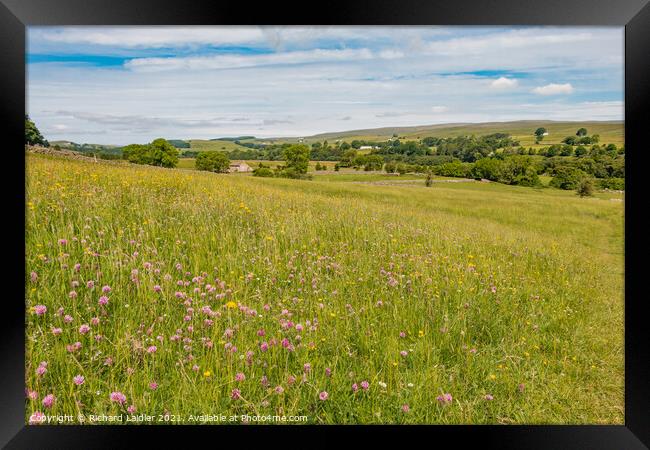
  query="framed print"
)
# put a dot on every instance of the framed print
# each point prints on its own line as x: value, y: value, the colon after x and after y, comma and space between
x: 407, y: 216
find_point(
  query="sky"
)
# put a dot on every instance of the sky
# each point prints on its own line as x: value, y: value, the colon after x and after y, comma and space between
x: 121, y: 85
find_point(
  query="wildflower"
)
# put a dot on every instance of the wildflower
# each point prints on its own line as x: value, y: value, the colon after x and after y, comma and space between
x: 33, y: 395
x: 231, y: 305
x: 521, y: 387
x: 40, y: 370
x: 78, y: 380
x: 207, y: 373
x: 152, y: 349
x: 323, y: 395
x: 83, y: 329
x: 279, y: 390
x: 106, y: 289
x: 235, y: 394
x: 94, y: 321
x: 306, y: 367
x: 382, y: 384
x: 264, y: 346
x: 34, y: 277
x: 153, y: 385
x: 240, y: 377
x: 56, y: 331
x: 131, y: 409
x: 157, y: 288
x: 117, y: 397
x: 355, y: 387
x: 402, y: 334
x: 67, y: 318
x: 63, y: 241
x: 39, y: 310
x: 328, y: 372
x: 489, y: 397
x: 365, y: 385
x: 404, y: 353
x: 49, y: 400
x: 90, y: 284
x: 103, y: 300
x: 444, y: 399
x: 291, y: 379
x: 405, y: 408
x: 37, y: 417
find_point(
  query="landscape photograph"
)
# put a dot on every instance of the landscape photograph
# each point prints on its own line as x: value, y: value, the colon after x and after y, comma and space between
x: 321, y: 225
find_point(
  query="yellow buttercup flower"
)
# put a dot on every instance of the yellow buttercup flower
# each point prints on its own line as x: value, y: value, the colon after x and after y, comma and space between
x: 231, y: 305
x: 207, y: 373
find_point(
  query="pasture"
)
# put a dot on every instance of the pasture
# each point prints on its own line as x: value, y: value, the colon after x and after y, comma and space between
x: 164, y: 291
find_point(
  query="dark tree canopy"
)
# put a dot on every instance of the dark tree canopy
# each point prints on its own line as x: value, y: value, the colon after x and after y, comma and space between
x: 32, y: 135
x: 213, y: 162
x: 157, y: 153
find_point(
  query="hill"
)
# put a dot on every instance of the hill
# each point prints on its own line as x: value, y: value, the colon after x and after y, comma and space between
x: 609, y: 131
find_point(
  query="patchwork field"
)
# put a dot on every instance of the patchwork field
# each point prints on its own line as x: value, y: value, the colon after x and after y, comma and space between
x: 177, y: 292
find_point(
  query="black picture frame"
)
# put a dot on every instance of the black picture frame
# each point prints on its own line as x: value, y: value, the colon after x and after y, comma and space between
x: 634, y: 15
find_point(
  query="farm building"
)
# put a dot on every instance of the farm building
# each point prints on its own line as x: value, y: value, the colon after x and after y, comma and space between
x: 240, y: 167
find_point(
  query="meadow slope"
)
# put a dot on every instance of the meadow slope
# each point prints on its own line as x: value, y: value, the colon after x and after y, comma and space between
x: 197, y: 293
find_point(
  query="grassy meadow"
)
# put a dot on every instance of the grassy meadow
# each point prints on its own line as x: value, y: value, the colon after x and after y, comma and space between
x: 177, y: 292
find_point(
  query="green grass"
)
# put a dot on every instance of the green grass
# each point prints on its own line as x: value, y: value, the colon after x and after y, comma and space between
x: 610, y: 132
x: 532, y: 279
x: 223, y: 146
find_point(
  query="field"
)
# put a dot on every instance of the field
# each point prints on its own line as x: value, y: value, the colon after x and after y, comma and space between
x: 223, y: 146
x: 163, y: 291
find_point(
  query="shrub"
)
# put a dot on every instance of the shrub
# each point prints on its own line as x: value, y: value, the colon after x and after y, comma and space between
x: 263, y: 172
x: 428, y: 182
x: 585, y: 188
x: 615, y: 184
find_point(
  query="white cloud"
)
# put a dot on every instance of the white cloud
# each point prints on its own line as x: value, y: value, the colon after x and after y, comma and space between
x: 439, y: 109
x: 553, y: 89
x: 240, y: 61
x: 504, y: 83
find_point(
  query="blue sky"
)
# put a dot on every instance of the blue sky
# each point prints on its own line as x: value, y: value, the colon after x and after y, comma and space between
x: 119, y: 85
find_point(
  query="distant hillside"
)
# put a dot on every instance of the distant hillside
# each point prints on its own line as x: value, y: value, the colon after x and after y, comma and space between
x: 609, y: 131
x: 211, y: 145
x: 88, y: 148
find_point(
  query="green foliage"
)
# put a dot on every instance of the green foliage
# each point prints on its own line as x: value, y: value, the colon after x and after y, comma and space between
x: 567, y: 177
x: 265, y: 172
x: 157, y: 153
x: 32, y: 135
x: 213, y: 161
x: 540, y: 132
x: 581, y: 132
x: 297, y: 158
x: 585, y: 188
x: 614, y: 184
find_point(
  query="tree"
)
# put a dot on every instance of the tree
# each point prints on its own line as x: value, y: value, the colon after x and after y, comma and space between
x: 567, y: 177
x: 585, y: 188
x: 581, y: 151
x: 570, y: 140
x: 213, y: 162
x: 373, y: 162
x: 581, y: 132
x: 297, y: 158
x: 163, y: 153
x: 539, y: 134
x: 157, y: 153
x: 32, y: 135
